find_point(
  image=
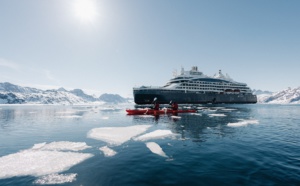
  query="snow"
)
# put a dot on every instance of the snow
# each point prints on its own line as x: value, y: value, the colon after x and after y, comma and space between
x: 243, y: 123
x: 117, y: 135
x: 287, y: 96
x: 156, y: 149
x: 56, y: 179
x: 157, y: 134
x: 43, y: 159
x: 108, y: 152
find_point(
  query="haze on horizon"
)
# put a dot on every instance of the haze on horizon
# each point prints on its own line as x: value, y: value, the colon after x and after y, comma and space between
x: 110, y: 46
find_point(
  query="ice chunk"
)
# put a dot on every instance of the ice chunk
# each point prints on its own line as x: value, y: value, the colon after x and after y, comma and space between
x: 117, y: 135
x: 108, y: 152
x: 56, y: 179
x: 156, y: 149
x: 176, y: 117
x: 158, y: 134
x: 71, y: 116
x: 243, y: 123
x: 146, y: 116
x: 105, y: 117
x: 61, y: 146
x: 228, y: 109
x: 39, y: 162
x: 216, y: 115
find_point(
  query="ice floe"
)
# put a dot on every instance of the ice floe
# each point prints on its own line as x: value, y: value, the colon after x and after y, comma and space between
x: 61, y: 146
x: 157, y: 134
x: 117, y: 135
x: 108, y: 152
x: 156, y: 149
x: 105, y: 117
x: 146, y: 116
x: 228, y: 109
x: 216, y: 115
x: 196, y: 114
x: 56, y: 179
x: 176, y: 117
x: 39, y: 162
x: 243, y: 123
x: 72, y: 116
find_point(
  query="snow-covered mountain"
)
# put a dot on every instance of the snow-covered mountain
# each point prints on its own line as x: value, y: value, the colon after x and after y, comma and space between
x: 14, y: 94
x: 287, y: 96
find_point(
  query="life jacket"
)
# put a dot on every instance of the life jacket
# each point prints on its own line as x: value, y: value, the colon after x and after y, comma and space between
x: 156, y: 106
x: 175, y: 106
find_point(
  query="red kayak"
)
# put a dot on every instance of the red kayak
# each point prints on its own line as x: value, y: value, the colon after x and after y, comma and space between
x: 152, y: 111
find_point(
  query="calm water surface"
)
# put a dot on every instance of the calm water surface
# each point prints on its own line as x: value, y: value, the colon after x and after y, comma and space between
x: 220, y: 145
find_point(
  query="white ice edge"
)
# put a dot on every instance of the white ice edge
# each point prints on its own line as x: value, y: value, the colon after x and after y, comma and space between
x: 39, y: 163
x: 216, y: 115
x: 117, y: 135
x: 56, y: 179
x: 157, y: 134
x: 108, y: 152
x: 243, y: 123
x: 61, y: 146
x: 156, y: 149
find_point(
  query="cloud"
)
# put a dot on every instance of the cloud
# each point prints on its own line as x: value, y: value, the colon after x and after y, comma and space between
x: 8, y: 64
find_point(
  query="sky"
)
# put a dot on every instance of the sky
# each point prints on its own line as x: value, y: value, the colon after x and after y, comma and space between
x: 111, y: 46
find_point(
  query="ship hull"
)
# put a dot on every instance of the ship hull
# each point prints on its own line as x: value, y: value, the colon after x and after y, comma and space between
x: 182, y: 97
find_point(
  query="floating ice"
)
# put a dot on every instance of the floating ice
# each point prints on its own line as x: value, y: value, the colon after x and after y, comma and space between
x: 66, y: 112
x: 158, y: 134
x: 176, y: 117
x: 117, y: 135
x: 108, y: 152
x: 61, y: 146
x: 243, y: 123
x: 56, y: 179
x: 228, y: 109
x: 216, y: 115
x: 105, y: 117
x: 146, y: 116
x: 72, y: 116
x: 39, y: 162
x: 156, y: 149
x: 196, y: 114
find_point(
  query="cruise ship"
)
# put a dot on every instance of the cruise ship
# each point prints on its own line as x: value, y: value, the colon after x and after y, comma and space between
x: 193, y: 87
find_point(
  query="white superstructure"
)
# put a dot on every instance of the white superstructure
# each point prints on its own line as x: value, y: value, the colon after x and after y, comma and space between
x: 195, y: 81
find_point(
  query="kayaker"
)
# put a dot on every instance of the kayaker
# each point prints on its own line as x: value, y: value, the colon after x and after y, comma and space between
x: 156, y: 105
x: 174, y: 106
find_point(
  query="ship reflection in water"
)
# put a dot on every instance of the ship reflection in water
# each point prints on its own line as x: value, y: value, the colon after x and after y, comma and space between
x: 209, y: 119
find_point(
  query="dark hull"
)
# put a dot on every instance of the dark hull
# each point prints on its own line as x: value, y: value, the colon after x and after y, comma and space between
x: 181, y: 97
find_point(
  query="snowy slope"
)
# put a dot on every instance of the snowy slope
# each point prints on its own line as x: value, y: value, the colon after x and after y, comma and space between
x: 287, y: 96
x: 14, y: 94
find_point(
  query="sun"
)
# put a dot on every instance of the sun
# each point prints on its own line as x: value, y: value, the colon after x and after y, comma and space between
x: 85, y: 10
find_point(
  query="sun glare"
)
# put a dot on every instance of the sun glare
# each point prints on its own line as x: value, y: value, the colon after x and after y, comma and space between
x: 85, y: 10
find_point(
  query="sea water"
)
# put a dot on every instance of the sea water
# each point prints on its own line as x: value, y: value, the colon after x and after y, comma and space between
x: 93, y: 145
